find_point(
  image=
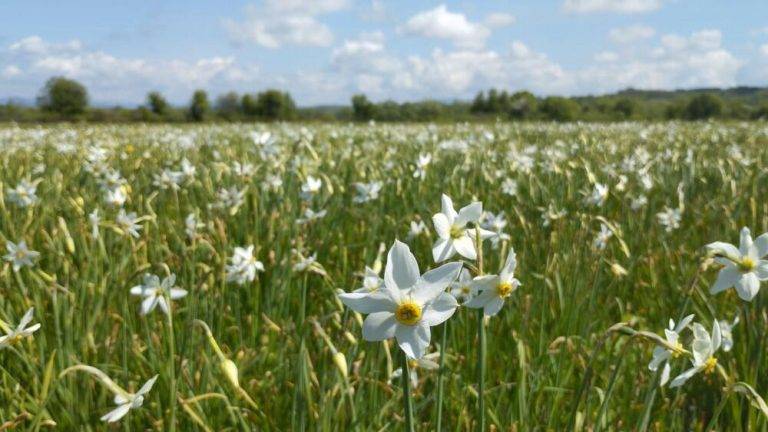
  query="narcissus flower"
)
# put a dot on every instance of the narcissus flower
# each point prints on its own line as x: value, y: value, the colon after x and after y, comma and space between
x: 154, y: 292
x: 19, y: 255
x: 663, y: 354
x: 407, y: 304
x: 21, y: 331
x: 704, y: 348
x: 492, y: 290
x: 743, y: 268
x: 243, y: 266
x: 454, y: 230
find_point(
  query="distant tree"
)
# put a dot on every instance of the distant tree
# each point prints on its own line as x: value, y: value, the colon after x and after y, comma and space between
x: 157, y: 104
x: 559, y: 108
x: 479, y: 104
x: 228, y: 106
x: 625, y: 107
x: 522, y: 105
x: 275, y: 105
x: 675, y: 109
x: 761, y: 113
x: 64, y: 97
x: 248, y: 106
x: 199, y: 108
x: 362, y: 108
x: 704, y: 106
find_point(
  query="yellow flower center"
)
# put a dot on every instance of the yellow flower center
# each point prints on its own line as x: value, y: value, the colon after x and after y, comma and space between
x: 408, y: 313
x: 678, y: 350
x: 747, y: 264
x: 457, y: 232
x: 504, y: 289
x: 465, y: 289
x: 15, y: 339
x: 709, y: 365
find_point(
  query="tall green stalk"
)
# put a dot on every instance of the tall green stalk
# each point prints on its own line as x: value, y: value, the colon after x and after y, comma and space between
x: 440, y: 381
x: 481, y: 342
x: 172, y: 367
x: 407, y: 403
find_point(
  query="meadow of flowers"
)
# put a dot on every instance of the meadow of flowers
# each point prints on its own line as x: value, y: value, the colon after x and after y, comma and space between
x: 384, y: 277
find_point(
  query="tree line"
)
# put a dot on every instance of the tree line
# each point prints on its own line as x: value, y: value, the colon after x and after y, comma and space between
x: 66, y: 99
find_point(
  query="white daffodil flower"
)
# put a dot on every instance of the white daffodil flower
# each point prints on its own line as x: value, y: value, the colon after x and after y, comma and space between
x: 19, y: 255
x: 128, y: 223
x: 453, y: 232
x: 154, y: 293
x: 21, y: 331
x: 24, y: 194
x: 94, y: 219
x: 408, y: 304
x: 744, y: 267
x: 367, y: 191
x: 598, y: 196
x: 428, y: 362
x: 726, y: 332
x: 128, y: 401
x: 491, y: 290
x: 663, y: 354
x: 462, y: 288
x: 704, y: 348
x: 124, y: 400
x: 243, y: 266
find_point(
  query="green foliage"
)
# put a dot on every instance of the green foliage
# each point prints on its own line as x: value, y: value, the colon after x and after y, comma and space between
x: 704, y: 106
x: 157, y: 104
x: 228, y: 106
x: 559, y: 109
x: 64, y: 97
x: 362, y: 108
x: 199, y: 108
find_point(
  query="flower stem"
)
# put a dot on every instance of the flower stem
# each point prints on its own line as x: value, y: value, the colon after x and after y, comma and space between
x: 172, y: 372
x: 407, y: 404
x: 481, y: 341
x: 440, y: 382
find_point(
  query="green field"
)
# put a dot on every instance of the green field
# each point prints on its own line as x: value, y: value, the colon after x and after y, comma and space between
x: 609, y: 224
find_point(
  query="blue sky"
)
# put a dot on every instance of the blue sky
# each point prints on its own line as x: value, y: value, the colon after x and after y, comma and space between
x: 323, y: 51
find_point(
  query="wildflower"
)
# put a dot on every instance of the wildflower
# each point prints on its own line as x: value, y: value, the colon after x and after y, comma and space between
x: 273, y: 182
x: 311, y: 216
x: 598, y: 196
x: 743, y: 268
x: 704, y: 348
x: 307, y: 264
x: 367, y: 191
x: 24, y: 194
x: 509, y: 187
x: 244, y: 170
x: 453, y: 232
x: 421, y: 166
x: 154, y: 292
x: 94, y: 219
x: 491, y: 290
x: 188, y: 171
x: 124, y: 400
x: 407, y: 305
x: 462, y: 288
x: 243, y: 266
x: 669, y: 218
x: 371, y: 284
x: 726, y: 332
x: 191, y: 226
x: 495, y: 225
x: 19, y: 255
x: 116, y: 197
x: 675, y: 348
x: 417, y: 228
x: 310, y: 187
x: 128, y: 223
x: 428, y: 362
x: 230, y: 199
x: 21, y: 331
x: 639, y: 202
x: 601, y: 240
x: 167, y: 179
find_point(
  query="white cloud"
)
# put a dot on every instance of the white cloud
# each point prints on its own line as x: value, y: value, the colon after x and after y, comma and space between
x: 631, y: 33
x: 499, y: 20
x: 615, y: 6
x: 698, y: 60
x: 285, y: 22
x: 32, y: 45
x: 440, y: 23
x: 11, y: 71
x: 764, y: 50
x: 606, y: 57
